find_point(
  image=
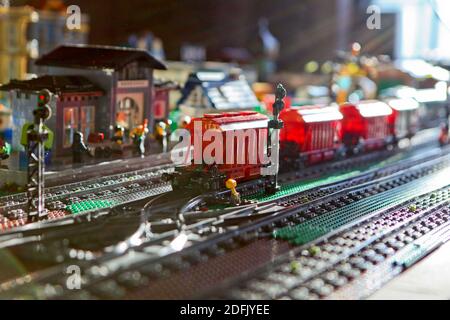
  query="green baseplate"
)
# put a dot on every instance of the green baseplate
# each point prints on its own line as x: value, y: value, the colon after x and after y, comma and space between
x: 90, y: 205
x: 320, y: 226
x: 302, y: 186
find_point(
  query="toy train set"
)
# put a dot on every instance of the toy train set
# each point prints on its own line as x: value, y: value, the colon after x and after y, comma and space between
x: 310, y: 135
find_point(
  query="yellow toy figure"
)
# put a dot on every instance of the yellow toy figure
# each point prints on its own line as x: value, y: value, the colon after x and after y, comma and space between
x: 162, y: 133
x: 5, y: 150
x: 5, y: 133
x: 117, y: 139
x: 231, y: 184
x: 138, y: 135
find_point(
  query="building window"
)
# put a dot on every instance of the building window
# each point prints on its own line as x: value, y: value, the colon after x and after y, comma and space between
x: 160, y: 105
x: 13, y: 37
x: 70, y: 125
x: 87, y: 120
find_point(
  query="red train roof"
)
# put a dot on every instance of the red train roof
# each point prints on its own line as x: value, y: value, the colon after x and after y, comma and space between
x: 403, y: 104
x: 311, y: 114
x: 370, y: 109
x: 236, y: 120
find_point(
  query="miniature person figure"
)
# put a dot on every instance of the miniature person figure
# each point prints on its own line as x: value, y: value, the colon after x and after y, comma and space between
x: 79, y: 148
x: 161, y: 134
x: 444, y: 135
x: 118, y: 139
x: 48, y: 144
x: 138, y: 135
x: 231, y: 184
x: 5, y: 150
x: 5, y: 133
x: 185, y: 122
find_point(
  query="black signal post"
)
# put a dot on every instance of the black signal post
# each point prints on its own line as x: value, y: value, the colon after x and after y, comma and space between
x: 36, y: 137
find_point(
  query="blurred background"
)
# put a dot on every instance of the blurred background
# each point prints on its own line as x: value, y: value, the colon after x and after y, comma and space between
x: 306, y: 29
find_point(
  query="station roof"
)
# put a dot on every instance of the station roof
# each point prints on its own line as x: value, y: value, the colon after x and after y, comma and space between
x: 98, y: 57
x: 222, y: 91
x: 56, y: 85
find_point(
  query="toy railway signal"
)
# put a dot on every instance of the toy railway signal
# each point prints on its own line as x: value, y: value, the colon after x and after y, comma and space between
x: 43, y: 110
x: 273, y: 141
x: 37, y: 135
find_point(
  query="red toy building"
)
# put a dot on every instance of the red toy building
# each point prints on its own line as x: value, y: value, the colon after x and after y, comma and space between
x: 366, y: 126
x: 310, y: 133
x: 124, y: 74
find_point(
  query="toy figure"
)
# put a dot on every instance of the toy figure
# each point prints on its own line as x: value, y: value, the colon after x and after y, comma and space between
x: 162, y: 132
x: 118, y: 139
x: 185, y: 122
x: 138, y: 135
x: 5, y: 133
x: 79, y: 148
x: 231, y: 184
x: 5, y: 150
x: 48, y: 144
x: 444, y: 135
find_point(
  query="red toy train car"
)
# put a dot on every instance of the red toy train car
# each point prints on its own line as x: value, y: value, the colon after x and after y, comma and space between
x: 316, y: 134
x: 311, y: 132
x: 366, y: 126
x: 228, y: 145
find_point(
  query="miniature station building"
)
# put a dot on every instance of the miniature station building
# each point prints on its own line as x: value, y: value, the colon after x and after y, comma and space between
x: 96, y: 88
x: 125, y: 75
x: 211, y: 92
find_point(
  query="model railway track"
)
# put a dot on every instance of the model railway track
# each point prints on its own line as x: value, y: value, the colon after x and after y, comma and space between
x: 202, y: 221
x: 102, y: 193
x: 95, y: 195
x: 358, y: 260
x: 68, y: 174
x: 89, y: 189
x: 202, y: 248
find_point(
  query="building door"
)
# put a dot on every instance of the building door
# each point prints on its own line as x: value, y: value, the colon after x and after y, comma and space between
x: 70, y: 126
x: 129, y: 114
x: 87, y: 120
x: 80, y: 119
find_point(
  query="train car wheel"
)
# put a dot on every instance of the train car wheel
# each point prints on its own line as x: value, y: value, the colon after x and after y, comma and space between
x: 98, y: 153
x: 107, y: 152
